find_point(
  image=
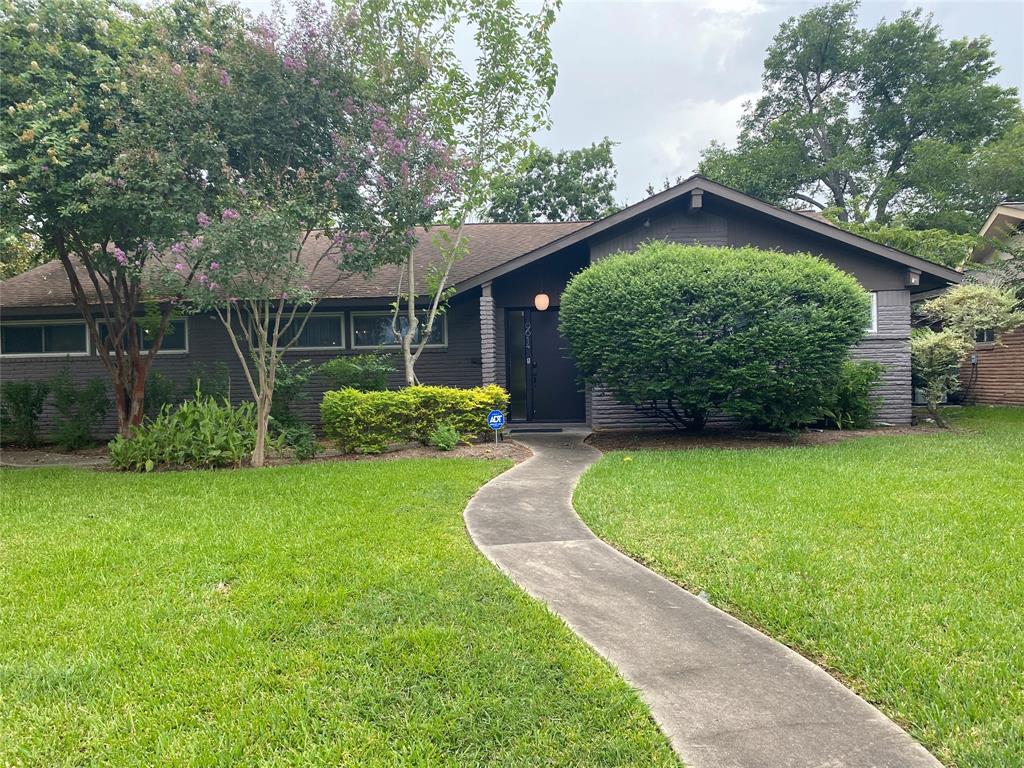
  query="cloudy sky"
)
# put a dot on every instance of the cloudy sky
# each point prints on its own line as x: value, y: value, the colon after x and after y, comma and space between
x: 664, y: 78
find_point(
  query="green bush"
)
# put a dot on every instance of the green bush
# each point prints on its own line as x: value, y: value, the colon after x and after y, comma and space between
x: 368, y: 373
x: 213, y: 381
x: 80, y: 411
x: 851, y: 404
x: 369, y: 422
x: 298, y: 436
x: 683, y: 331
x: 444, y: 437
x: 160, y: 391
x: 21, y: 403
x: 197, y: 433
x: 289, y: 382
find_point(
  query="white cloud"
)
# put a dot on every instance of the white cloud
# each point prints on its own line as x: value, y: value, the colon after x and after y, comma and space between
x: 674, y: 143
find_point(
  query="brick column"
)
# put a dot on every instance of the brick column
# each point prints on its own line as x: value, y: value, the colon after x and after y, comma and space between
x: 488, y: 338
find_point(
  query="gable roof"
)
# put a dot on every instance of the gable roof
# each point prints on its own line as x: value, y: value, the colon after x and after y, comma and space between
x: 703, y: 184
x: 1001, y: 223
x: 490, y: 245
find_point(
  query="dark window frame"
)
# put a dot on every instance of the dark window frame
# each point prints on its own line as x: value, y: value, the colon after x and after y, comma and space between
x: 441, y: 318
x: 42, y: 325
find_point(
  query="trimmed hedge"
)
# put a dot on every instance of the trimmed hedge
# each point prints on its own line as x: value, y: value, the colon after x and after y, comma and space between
x: 684, y: 331
x: 369, y: 422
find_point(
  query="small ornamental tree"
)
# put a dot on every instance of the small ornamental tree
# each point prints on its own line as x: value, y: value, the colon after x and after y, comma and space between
x: 335, y: 189
x: 685, y: 330
x: 935, y: 360
x: 484, y: 113
x: 962, y: 312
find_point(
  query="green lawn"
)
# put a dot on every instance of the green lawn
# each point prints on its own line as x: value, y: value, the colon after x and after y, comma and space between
x: 331, y: 614
x: 896, y: 562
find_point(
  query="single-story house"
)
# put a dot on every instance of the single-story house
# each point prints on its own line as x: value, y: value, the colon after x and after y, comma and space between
x: 496, y: 330
x: 994, y: 373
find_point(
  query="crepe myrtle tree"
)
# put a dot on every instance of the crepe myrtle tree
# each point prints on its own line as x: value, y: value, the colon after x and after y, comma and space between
x: 334, y: 187
x: 485, y: 111
x: 758, y: 335
x: 101, y: 165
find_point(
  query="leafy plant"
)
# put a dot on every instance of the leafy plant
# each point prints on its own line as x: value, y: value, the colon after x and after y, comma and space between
x: 935, y: 359
x: 213, y: 381
x: 366, y: 372
x: 288, y: 391
x: 444, y: 437
x: 685, y: 330
x: 369, y: 422
x: 21, y: 403
x: 160, y: 391
x: 198, y: 433
x: 851, y: 404
x: 300, y: 437
x: 80, y: 410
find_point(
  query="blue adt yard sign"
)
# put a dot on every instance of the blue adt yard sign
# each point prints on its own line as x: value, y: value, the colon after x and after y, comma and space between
x: 496, y: 420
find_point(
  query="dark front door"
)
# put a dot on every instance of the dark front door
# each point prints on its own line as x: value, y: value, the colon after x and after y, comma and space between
x: 541, y: 375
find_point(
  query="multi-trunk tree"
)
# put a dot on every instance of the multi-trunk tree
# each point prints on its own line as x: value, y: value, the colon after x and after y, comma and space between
x: 100, y: 169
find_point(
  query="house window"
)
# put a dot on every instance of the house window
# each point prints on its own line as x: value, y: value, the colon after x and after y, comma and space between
x: 51, y: 338
x: 986, y: 336
x: 175, y: 337
x: 320, y: 332
x: 373, y: 329
x: 873, y: 328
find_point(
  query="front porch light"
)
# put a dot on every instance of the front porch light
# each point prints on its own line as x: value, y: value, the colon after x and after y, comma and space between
x: 541, y: 301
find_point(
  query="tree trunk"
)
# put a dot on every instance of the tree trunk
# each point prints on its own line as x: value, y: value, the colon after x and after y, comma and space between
x: 259, y: 453
x: 933, y: 411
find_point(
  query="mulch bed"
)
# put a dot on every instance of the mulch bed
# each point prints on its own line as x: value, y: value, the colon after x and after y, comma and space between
x: 96, y: 457
x: 507, y: 449
x: 738, y: 440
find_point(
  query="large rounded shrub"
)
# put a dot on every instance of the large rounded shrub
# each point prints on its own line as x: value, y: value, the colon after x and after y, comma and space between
x: 686, y: 330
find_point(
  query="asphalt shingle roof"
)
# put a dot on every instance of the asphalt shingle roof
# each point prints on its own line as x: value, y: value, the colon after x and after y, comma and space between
x: 490, y: 245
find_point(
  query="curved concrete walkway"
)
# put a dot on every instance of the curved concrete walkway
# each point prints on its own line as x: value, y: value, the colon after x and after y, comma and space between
x: 726, y: 695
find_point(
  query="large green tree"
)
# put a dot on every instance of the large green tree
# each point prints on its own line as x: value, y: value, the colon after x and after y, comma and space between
x: 99, y: 165
x: 568, y: 185
x: 874, y: 123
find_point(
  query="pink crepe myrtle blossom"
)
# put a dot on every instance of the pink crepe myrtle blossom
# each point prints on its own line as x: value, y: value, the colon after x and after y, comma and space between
x: 179, y: 266
x: 195, y: 243
x: 214, y: 266
x: 176, y: 69
x: 120, y: 256
x: 205, y: 50
x: 203, y: 220
x: 224, y: 79
x: 178, y: 248
x: 229, y: 214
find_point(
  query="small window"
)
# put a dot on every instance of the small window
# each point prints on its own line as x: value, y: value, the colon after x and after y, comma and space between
x: 175, y: 337
x: 373, y: 329
x: 873, y: 328
x: 986, y: 336
x: 44, y: 339
x: 320, y: 332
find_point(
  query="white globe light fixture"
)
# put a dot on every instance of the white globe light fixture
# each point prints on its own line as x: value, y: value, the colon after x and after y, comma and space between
x: 541, y: 301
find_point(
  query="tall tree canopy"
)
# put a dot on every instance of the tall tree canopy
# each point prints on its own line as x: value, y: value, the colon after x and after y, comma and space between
x: 876, y: 123
x: 568, y: 185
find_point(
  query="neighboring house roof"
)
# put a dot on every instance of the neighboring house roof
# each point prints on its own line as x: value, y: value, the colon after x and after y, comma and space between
x: 495, y: 250
x: 490, y: 245
x: 1005, y: 219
